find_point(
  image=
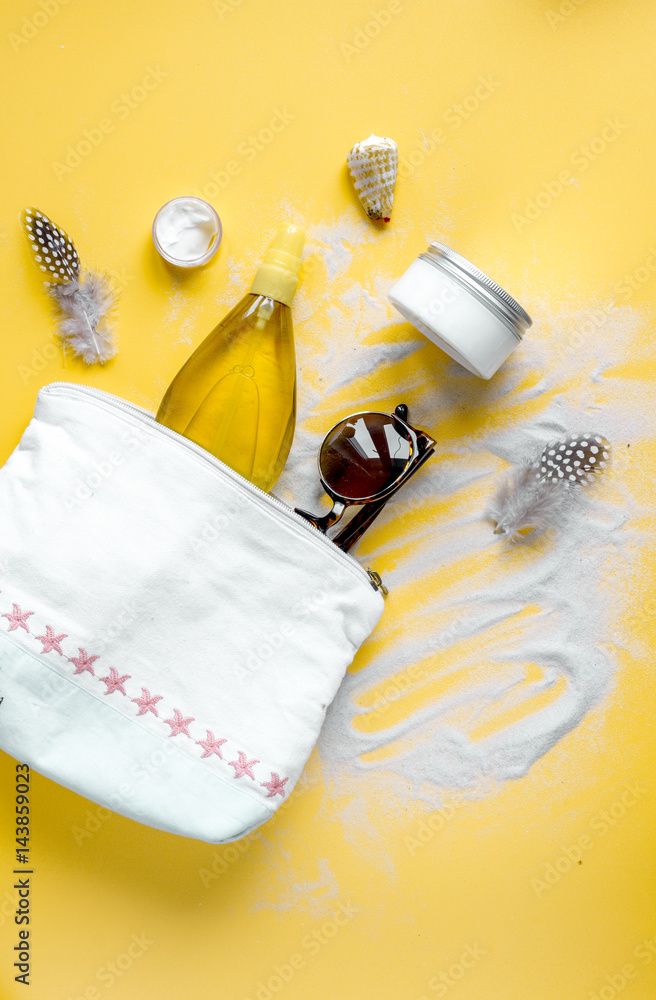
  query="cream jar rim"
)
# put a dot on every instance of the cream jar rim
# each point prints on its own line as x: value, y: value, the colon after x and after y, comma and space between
x: 211, y: 250
x: 492, y: 295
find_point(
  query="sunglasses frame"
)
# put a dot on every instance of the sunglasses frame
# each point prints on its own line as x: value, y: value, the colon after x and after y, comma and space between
x: 422, y: 448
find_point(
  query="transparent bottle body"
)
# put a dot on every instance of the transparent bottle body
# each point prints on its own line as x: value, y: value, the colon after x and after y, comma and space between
x: 236, y: 395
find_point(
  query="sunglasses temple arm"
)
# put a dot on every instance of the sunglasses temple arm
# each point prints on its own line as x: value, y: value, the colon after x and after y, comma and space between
x: 323, y: 523
x: 357, y: 526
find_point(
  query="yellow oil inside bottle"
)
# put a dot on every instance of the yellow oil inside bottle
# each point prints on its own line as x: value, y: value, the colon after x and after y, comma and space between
x: 236, y: 395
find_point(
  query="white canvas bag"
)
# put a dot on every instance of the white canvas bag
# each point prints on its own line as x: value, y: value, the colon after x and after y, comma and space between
x: 170, y: 635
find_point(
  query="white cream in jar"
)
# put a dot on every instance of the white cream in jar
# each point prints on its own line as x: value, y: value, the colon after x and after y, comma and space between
x: 187, y: 231
x: 460, y: 309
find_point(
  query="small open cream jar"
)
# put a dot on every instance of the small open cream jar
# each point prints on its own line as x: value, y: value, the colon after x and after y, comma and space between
x: 460, y: 309
x: 187, y: 231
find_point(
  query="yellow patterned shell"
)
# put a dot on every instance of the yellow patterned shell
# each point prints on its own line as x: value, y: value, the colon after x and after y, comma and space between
x: 373, y: 165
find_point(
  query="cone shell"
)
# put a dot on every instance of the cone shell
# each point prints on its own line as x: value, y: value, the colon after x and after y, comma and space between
x: 373, y: 165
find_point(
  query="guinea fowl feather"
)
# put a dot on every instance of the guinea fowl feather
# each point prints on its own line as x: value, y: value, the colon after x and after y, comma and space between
x: 534, y: 496
x: 84, y: 298
x: 84, y: 302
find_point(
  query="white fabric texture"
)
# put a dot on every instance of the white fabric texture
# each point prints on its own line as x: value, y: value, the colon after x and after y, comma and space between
x: 170, y: 636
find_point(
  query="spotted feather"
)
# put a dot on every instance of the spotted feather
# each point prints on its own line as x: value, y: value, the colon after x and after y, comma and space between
x: 52, y: 249
x: 83, y: 298
x: 535, y: 495
x: 574, y: 460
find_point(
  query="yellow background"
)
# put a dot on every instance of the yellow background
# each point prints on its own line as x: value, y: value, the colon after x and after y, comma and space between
x: 222, y: 72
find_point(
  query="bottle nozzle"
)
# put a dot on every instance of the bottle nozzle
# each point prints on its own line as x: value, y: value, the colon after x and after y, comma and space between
x: 277, y: 277
x: 289, y: 241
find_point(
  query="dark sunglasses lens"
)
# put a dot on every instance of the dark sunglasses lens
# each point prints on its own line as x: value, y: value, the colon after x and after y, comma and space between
x: 365, y: 455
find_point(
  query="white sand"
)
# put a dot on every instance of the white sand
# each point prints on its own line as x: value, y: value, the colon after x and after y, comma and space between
x: 572, y: 580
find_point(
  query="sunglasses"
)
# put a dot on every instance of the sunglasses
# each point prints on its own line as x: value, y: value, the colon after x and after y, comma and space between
x: 363, y: 461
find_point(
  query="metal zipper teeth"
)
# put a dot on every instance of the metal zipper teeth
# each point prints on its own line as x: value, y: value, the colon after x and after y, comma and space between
x: 212, y: 461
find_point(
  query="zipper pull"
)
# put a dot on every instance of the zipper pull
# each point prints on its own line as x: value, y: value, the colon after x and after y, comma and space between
x: 376, y: 582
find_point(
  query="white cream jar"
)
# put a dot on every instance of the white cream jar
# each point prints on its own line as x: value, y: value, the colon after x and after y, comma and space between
x: 460, y: 309
x: 187, y: 231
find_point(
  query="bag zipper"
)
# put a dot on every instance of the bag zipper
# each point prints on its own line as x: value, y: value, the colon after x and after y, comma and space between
x: 135, y: 410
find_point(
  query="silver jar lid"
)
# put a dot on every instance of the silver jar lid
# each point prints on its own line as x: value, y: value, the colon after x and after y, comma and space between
x: 476, y: 281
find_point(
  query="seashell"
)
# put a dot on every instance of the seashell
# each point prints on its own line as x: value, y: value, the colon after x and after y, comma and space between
x: 373, y: 164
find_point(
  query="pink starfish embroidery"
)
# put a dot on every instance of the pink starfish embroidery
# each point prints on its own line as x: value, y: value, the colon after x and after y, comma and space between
x: 147, y: 702
x: 114, y: 682
x: 18, y: 618
x: 211, y: 745
x: 275, y: 786
x: 178, y: 724
x: 83, y: 662
x: 51, y: 641
x: 243, y: 766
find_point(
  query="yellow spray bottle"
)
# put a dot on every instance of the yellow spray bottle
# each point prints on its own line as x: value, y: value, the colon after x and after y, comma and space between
x: 236, y: 395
